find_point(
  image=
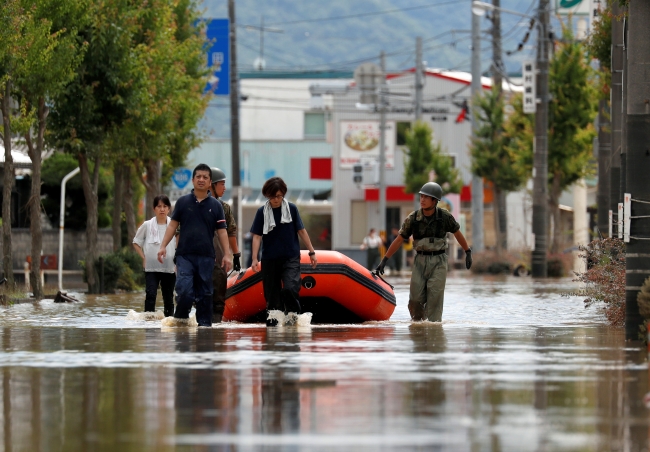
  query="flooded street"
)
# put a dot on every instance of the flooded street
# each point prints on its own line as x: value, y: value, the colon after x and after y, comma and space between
x: 514, y: 366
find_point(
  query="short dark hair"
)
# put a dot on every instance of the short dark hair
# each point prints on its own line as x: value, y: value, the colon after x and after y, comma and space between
x: 272, y: 186
x: 202, y: 167
x: 162, y: 198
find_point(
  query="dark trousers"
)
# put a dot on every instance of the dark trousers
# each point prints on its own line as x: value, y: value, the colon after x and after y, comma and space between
x: 281, y: 281
x: 194, y: 283
x: 373, y: 258
x: 219, y: 283
x: 166, y: 281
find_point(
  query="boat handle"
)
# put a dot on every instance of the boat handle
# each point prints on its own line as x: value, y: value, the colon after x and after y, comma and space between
x: 376, y: 273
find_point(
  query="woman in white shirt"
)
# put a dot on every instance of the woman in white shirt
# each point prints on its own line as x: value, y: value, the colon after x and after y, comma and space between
x: 372, y: 242
x: 147, y: 243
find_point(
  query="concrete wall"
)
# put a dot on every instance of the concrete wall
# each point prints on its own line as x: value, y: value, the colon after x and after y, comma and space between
x: 74, y: 246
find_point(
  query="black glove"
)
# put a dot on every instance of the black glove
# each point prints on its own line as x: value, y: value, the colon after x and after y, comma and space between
x: 236, y: 265
x: 382, y: 264
x: 468, y: 258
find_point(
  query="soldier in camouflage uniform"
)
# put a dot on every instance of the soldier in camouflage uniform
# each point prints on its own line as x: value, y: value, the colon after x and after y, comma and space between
x: 429, y: 227
x: 219, y: 276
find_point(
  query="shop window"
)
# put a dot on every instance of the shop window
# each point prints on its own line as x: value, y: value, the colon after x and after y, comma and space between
x: 314, y: 126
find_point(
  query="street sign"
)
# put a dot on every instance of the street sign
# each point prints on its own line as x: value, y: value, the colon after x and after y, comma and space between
x: 530, y: 95
x: 181, y: 177
x: 218, y: 56
x: 573, y: 7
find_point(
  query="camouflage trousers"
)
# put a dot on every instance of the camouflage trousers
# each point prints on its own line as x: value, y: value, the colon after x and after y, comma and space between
x: 427, y: 292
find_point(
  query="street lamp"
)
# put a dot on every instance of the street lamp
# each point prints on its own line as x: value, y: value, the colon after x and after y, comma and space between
x: 540, y: 160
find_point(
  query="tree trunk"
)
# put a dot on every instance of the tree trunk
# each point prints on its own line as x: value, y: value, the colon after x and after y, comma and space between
x: 90, y: 194
x: 34, y: 204
x: 554, y: 206
x: 503, y: 219
x: 118, y: 174
x: 8, y: 184
x: 154, y: 174
x: 129, y: 210
x: 496, y: 206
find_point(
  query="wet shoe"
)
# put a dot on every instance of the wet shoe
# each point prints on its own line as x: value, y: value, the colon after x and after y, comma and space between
x: 291, y: 319
x: 271, y: 322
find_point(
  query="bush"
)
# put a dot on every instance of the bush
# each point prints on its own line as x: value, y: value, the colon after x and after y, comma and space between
x: 604, y: 279
x: 122, y: 270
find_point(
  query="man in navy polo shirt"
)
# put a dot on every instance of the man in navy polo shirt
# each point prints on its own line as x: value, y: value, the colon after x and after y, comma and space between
x: 199, y: 215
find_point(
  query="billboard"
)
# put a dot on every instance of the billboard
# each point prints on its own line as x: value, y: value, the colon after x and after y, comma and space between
x: 218, y: 56
x: 359, y: 143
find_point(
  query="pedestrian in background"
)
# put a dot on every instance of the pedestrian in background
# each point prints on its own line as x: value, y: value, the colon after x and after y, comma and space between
x: 276, y: 227
x: 219, y: 275
x: 429, y: 227
x: 397, y: 261
x: 146, y: 243
x: 371, y: 243
x: 200, y: 215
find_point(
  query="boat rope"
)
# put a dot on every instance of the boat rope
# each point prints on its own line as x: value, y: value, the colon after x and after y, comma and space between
x: 376, y: 273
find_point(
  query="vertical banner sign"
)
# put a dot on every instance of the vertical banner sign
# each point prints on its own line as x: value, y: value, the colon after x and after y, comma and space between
x: 620, y: 220
x: 627, y: 208
x: 218, y: 56
x: 530, y: 96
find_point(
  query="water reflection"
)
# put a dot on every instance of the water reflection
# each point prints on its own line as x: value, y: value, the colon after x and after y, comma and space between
x: 508, y: 369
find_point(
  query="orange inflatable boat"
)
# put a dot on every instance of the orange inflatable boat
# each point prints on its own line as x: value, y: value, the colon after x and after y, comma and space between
x: 338, y: 290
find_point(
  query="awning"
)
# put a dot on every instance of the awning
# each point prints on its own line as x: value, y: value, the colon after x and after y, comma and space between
x: 20, y: 159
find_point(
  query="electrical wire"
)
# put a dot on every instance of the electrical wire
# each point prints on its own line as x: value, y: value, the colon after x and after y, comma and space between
x: 374, y: 13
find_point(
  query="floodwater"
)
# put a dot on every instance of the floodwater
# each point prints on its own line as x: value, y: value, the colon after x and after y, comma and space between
x: 514, y: 366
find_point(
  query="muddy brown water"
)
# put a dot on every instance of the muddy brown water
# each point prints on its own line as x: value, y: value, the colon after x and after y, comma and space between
x: 514, y: 366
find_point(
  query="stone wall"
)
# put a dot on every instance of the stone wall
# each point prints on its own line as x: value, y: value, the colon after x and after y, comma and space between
x: 74, y: 246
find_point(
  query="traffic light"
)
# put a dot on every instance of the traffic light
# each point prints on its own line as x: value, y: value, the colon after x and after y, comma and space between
x: 357, y: 173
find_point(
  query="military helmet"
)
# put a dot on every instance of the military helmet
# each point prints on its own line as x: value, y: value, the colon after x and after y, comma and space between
x: 432, y: 189
x: 217, y: 175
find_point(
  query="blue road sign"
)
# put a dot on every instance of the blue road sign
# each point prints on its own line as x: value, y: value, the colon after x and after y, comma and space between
x: 218, y: 34
x: 181, y: 177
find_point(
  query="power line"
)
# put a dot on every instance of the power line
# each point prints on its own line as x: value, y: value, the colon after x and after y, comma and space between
x: 375, y: 13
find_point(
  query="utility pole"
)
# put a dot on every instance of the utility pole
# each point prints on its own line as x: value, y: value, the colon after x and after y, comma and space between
x: 616, y: 107
x: 637, y: 252
x: 604, y: 162
x: 477, y: 182
x: 497, y: 81
x: 540, y: 158
x: 418, y: 79
x: 382, y: 144
x: 260, y: 64
x: 234, y: 113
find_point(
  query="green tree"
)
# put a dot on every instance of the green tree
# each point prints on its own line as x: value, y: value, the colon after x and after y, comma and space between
x: 494, y: 156
x: 17, y: 30
x: 161, y: 126
x: 572, y: 110
x: 49, y: 52
x: 424, y: 156
x: 573, y: 90
x: 94, y: 104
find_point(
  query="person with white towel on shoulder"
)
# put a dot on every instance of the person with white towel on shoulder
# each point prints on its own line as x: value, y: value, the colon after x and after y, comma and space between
x: 146, y: 243
x: 277, y: 226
